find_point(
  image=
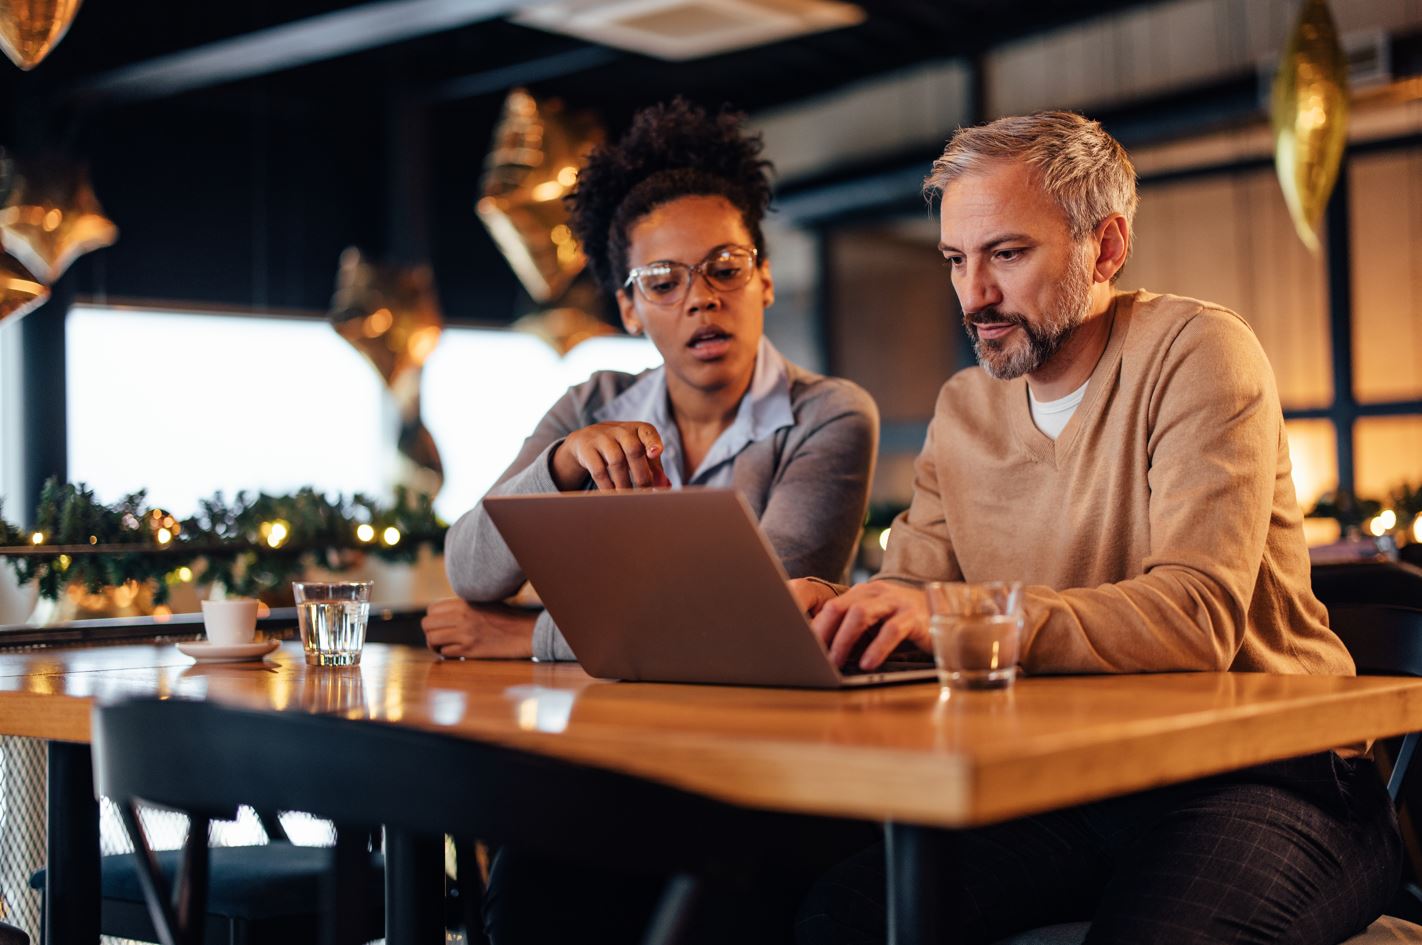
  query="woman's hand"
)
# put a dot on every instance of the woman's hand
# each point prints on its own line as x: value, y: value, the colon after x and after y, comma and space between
x: 455, y: 628
x: 896, y: 611
x: 616, y: 455
x: 811, y: 594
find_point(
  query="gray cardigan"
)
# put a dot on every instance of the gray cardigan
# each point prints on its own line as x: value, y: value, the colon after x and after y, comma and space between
x: 807, y: 483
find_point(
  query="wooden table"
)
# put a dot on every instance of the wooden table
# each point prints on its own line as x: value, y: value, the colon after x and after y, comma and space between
x: 898, y: 755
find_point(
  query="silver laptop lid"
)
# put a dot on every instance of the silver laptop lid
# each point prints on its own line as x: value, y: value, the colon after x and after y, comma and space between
x: 676, y: 586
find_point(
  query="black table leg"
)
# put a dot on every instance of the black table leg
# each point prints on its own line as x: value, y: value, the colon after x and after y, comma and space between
x: 71, y: 885
x: 913, y: 873
x: 414, y: 889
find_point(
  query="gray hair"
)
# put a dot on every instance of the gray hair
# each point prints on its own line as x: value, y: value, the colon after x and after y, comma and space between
x: 1082, y: 168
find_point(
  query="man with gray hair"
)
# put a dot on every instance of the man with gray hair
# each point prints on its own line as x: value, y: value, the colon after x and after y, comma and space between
x: 1123, y: 455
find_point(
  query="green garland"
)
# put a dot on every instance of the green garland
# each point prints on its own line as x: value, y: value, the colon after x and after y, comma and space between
x: 255, y: 543
x: 1352, y: 512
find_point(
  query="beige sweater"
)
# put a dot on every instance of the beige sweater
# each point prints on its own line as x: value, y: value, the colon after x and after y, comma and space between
x: 1159, y: 532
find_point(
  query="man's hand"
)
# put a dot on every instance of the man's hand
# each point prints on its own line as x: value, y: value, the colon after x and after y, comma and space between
x: 454, y: 628
x: 897, y: 612
x: 616, y: 455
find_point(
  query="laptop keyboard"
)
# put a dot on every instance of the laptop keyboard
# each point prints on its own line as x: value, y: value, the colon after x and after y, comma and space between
x: 901, y: 663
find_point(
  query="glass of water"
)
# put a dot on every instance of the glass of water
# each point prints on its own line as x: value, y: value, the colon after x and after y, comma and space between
x: 332, y: 618
x: 977, y: 632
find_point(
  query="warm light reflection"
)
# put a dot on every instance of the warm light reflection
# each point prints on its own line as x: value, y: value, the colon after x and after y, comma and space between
x: 548, y: 190
x: 391, y: 536
x: 538, y: 708
x: 365, y: 532
x: 884, y: 539
x: 527, y: 714
x: 422, y: 343
x: 1321, y: 531
x: 64, y: 562
x: 163, y: 535
x: 1387, y: 451
x: 1312, y: 452
x: 378, y: 323
x: 185, y: 574
x: 1417, y: 528
x: 37, y: 538
x: 447, y: 706
x: 568, y: 175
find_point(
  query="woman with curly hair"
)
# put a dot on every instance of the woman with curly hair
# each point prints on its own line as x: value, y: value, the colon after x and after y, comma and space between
x: 669, y: 218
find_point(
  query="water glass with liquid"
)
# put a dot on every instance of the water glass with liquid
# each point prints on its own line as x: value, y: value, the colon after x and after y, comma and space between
x: 332, y: 617
x: 977, y: 632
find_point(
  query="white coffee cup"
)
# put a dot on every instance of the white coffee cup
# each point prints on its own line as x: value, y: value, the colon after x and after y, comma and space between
x: 230, y: 622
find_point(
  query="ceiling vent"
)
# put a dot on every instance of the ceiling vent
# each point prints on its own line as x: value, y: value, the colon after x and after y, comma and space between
x: 689, y: 29
x: 1368, y: 54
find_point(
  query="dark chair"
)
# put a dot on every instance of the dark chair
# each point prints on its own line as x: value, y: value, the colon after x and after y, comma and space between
x: 9, y: 935
x: 1384, y: 640
x: 267, y: 893
x: 421, y: 785
x: 1368, y: 582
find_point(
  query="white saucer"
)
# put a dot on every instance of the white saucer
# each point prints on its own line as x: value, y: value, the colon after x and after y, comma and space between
x: 205, y: 651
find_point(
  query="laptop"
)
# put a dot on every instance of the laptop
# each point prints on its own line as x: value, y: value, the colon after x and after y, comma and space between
x: 671, y: 586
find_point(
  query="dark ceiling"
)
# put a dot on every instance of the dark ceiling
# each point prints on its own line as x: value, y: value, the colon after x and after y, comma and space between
x: 237, y: 169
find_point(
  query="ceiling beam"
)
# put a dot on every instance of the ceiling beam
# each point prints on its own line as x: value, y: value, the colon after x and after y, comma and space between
x: 314, y: 39
x: 522, y: 73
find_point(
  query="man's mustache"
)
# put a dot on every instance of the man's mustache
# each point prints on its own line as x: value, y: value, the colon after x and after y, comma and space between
x: 992, y: 316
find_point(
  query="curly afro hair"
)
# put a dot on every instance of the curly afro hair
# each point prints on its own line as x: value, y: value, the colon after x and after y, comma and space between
x: 673, y: 149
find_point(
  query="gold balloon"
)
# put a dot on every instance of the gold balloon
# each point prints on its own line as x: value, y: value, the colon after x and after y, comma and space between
x: 29, y: 29
x: 1309, y: 112
x: 563, y: 328
x: 20, y: 292
x: 532, y: 164
x: 51, y: 216
x: 391, y: 315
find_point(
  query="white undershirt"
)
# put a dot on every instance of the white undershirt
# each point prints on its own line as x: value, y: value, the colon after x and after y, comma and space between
x: 1051, y: 416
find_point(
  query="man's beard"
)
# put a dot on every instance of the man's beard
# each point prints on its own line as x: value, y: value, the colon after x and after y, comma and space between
x: 1009, y: 357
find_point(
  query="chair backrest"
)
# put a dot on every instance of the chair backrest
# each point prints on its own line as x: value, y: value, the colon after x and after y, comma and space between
x: 1368, y: 582
x: 207, y: 759
x: 1384, y: 640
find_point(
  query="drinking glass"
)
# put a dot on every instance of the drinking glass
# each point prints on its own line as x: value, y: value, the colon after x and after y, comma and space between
x: 332, y: 617
x: 977, y: 632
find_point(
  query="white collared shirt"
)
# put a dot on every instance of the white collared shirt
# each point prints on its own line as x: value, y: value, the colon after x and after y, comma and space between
x: 764, y: 409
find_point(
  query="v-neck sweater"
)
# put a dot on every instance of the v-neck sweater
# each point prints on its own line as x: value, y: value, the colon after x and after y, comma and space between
x: 1160, y: 531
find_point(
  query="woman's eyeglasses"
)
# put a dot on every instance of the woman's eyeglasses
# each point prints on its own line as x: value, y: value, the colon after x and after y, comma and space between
x: 667, y: 283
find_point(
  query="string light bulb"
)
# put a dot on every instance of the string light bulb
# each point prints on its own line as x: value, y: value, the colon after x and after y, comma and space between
x: 391, y: 536
x: 1382, y: 523
x: 37, y: 538
x: 1417, y: 528
x: 365, y: 532
x: 275, y: 533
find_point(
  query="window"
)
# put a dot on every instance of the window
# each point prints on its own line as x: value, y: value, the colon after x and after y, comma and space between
x: 187, y: 404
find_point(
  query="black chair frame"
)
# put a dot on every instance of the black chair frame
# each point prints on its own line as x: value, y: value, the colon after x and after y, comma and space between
x: 358, y: 773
